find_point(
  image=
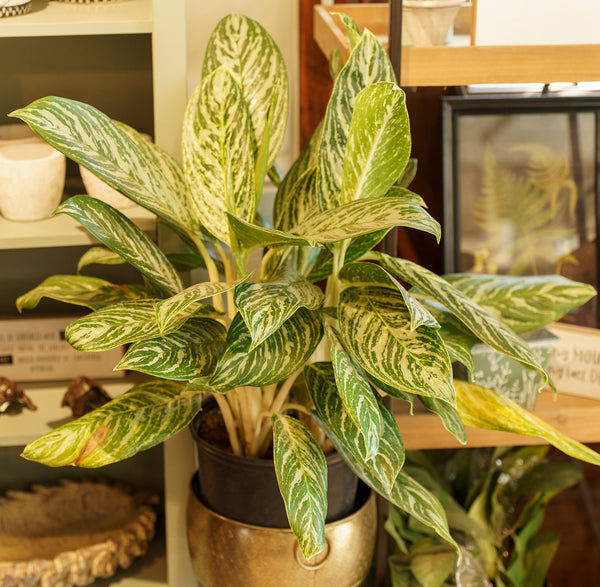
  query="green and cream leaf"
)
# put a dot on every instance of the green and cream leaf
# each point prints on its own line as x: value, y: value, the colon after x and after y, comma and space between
x: 265, y: 306
x: 123, y: 237
x: 283, y: 353
x: 189, y: 352
x: 355, y: 392
x: 378, y: 144
x: 484, y: 408
x: 375, y: 325
x: 218, y: 153
x: 302, y: 477
x: 115, y: 153
x: 330, y: 411
x: 523, y: 303
x: 80, y: 290
x: 99, y: 256
x: 141, y: 418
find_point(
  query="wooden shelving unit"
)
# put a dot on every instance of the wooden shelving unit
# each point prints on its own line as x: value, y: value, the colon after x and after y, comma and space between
x: 157, y: 30
x: 461, y: 63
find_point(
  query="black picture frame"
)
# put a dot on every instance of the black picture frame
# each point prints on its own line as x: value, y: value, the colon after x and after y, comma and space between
x: 521, y: 179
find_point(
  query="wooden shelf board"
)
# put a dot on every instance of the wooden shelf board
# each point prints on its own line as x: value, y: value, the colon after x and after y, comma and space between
x: 460, y: 63
x: 62, y: 231
x: 577, y: 417
x: 59, y: 19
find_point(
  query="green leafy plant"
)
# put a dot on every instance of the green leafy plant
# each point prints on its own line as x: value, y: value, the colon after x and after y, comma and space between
x: 248, y: 337
x: 495, y: 502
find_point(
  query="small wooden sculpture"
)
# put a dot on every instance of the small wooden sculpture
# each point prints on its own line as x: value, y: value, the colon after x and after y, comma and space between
x: 84, y: 395
x: 12, y: 396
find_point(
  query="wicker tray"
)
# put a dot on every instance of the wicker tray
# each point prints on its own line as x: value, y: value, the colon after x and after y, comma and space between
x: 72, y: 533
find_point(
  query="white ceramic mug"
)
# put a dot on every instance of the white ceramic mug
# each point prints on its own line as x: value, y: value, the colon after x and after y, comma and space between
x: 32, y: 179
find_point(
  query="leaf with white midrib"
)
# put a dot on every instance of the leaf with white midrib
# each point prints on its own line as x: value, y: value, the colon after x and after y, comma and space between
x: 118, y: 324
x: 114, y: 152
x: 524, y: 303
x: 406, y: 493
x: 477, y: 319
x: 265, y: 306
x: 301, y: 471
x: 189, y: 352
x: 122, y: 236
x: 144, y: 416
x: 218, y: 153
x: 378, y: 145
x: 361, y: 217
x: 169, y: 311
x: 276, y: 358
x: 248, y: 51
x: 355, y: 392
x: 388, y: 461
x: 367, y: 63
x: 80, y: 290
x: 375, y: 325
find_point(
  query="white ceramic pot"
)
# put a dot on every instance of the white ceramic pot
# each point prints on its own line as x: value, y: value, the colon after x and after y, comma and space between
x: 428, y: 22
x: 32, y: 178
x: 97, y: 188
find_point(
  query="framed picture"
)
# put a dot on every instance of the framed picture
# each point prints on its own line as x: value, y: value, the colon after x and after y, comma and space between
x: 521, y: 188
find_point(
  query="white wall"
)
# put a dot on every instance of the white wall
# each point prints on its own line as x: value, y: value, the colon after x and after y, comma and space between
x: 280, y: 18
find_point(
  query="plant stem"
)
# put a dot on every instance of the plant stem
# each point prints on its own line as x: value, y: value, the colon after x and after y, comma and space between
x: 211, y: 267
x: 230, y: 425
x: 229, y: 277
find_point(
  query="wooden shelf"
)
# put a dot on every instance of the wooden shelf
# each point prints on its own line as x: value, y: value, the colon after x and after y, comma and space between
x: 577, y: 417
x: 460, y: 63
x: 62, y: 231
x: 58, y: 19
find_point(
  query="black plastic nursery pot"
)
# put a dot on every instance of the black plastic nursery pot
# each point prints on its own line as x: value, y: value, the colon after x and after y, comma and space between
x: 246, y: 489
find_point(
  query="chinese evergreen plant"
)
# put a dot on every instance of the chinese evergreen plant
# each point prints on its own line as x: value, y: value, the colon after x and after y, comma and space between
x: 247, y: 337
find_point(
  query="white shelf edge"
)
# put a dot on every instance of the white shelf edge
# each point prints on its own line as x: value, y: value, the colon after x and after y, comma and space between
x: 62, y: 231
x: 60, y: 19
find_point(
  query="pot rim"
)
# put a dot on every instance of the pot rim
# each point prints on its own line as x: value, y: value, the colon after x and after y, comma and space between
x: 193, y: 494
x: 433, y: 3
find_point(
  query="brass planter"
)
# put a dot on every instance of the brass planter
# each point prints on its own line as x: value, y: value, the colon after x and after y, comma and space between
x: 225, y: 552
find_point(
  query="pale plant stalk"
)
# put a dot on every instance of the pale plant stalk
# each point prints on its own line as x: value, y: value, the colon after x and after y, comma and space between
x: 213, y: 272
x: 229, y: 424
x: 229, y: 277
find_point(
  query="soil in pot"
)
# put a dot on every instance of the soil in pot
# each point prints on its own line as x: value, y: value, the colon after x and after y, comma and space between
x: 246, y: 489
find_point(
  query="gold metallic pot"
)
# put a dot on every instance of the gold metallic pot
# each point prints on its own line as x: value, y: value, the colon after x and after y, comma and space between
x: 225, y: 553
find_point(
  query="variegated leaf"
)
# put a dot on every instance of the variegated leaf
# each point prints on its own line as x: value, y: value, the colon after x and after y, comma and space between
x: 364, y: 216
x: 393, y: 391
x: 448, y: 415
x: 286, y: 208
x: 410, y: 496
x: 371, y: 274
x: 80, y: 290
x: 302, y: 477
x: 191, y: 351
x: 115, y: 325
x: 524, y: 303
x: 266, y: 306
x: 352, y: 30
x: 276, y: 358
x: 355, y: 392
x: 487, y: 409
x: 251, y: 237
x: 122, y: 236
x: 141, y: 418
x: 218, y: 153
x: 245, y: 48
x: 478, y: 320
x: 169, y: 312
x: 100, y: 256
x: 330, y: 411
x: 367, y: 64
x: 301, y: 200
x: 114, y: 152
x: 378, y: 144
x: 376, y: 328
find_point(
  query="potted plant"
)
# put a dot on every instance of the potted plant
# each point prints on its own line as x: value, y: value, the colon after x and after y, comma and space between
x: 265, y: 342
x: 495, y: 500
x: 428, y: 22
